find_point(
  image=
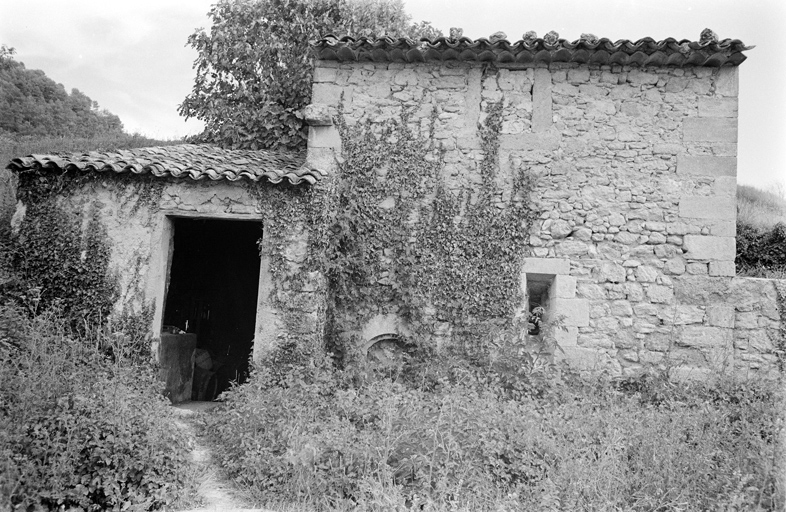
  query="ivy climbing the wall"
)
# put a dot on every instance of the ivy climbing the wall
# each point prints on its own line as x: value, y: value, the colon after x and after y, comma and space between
x: 399, y: 240
x: 780, y: 343
x: 62, y: 256
x: 67, y: 266
x: 472, y: 259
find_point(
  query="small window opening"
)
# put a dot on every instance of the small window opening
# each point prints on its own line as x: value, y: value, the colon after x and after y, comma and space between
x: 212, y: 298
x: 538, y: 286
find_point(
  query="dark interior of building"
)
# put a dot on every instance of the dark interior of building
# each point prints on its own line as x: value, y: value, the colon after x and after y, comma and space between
x: 212, y: 292
x: 538, y: 293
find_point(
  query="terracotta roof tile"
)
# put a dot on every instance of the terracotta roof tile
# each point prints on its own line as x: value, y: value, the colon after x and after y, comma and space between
x: 195, y: 161
x: 591, y: 50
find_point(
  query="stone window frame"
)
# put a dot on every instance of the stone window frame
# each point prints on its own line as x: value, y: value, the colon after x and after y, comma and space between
x: 562, y: 300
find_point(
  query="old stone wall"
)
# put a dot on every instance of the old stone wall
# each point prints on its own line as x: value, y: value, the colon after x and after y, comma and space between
x: 138, y: 222
x: 735, y: 323
x: 635, y: 187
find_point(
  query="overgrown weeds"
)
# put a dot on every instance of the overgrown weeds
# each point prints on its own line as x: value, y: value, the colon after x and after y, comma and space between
x: 761, y: 252
x: 761, y: 232
x: 460, y: 440
x: 82, y: 425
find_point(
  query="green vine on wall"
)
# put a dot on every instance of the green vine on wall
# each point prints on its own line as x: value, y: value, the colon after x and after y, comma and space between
x: 366, y: 243
x: 65, y: 258
x: 397, y: 239
x: 147, y: 189
x: 780, y: 344
x: 40, y: 185
x: 284, y: 206
x: 68, y: 265
x: 473, y: 259
x: 288, y: 209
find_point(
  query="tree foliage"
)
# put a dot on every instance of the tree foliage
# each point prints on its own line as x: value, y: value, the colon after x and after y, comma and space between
x: 6, y: 52
x: 33, y: 104
x: 254, y: 67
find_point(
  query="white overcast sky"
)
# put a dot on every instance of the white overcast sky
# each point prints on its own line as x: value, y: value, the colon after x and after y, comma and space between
x: 131, y: 57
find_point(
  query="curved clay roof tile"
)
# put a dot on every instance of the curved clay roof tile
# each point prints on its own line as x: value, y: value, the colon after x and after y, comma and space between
x: 543, y: 56
x: 619, y: 57
x: 181, y: 161
x: 379, y: 55
x: 415, y: 55
x: 562, y: 55
x: 580, y: 56
x: 525, y: 57
x: 600, y: 58
x: 547, y: 49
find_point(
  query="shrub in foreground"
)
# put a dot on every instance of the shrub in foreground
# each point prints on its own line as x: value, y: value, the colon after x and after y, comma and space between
x: 761, y: 252
x: 307, y: 434
x: 79, y: 429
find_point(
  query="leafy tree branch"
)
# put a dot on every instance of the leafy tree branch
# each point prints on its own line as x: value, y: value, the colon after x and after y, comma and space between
x: 254, y: 67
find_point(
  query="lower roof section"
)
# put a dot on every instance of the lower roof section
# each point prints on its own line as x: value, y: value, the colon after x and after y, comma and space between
x: 194, y: 161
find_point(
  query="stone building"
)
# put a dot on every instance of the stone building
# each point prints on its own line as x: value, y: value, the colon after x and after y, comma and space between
x: 633, y: 146
x: 189, y: 231
x: 629, y: 149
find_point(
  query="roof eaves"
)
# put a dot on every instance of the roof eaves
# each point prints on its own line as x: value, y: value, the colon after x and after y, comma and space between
x: 196, y: 162
x: 645, y: 51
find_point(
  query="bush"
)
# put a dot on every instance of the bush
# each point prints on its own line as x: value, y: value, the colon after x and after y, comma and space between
x: 78, y: 428
x: 341, y: 440
x: 761, y: 250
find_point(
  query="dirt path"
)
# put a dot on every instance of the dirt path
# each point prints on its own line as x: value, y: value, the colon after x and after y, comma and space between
x: 215, y: 490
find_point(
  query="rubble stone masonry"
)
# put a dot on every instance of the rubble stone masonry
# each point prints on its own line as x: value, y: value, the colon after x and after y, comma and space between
x: 636, y: 185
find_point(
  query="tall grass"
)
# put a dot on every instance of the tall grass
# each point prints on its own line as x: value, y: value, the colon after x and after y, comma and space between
x: 82, y: 427
x: 760, y: 208
x: 455, y: 437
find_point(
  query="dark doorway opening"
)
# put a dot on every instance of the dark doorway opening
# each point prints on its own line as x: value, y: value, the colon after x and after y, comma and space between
x: 212, y: 293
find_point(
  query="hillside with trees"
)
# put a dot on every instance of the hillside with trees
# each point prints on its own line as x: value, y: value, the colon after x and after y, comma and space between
x: 31, y: 103
x: 38, y: 115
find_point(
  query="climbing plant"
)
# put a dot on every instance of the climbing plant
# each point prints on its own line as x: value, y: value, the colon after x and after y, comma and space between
x: 472, y: 259
x: 397, y: 239
x: 134, y: 191
x: 780, y: 343
x: 63, y: 257
x: 69, y: 267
